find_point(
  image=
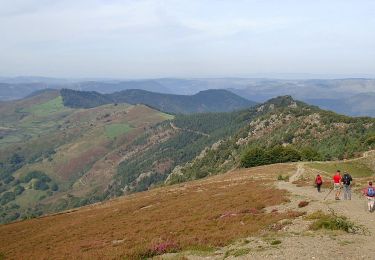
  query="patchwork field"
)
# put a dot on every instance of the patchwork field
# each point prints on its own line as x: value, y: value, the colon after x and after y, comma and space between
x: 68, y: 145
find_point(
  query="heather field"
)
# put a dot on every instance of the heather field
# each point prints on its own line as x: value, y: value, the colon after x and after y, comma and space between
x: 208, y: 213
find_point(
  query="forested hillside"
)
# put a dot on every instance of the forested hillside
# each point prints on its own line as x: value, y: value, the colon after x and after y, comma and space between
x: 55, y: 157
x: 283, y: 130
x: 205, y: 101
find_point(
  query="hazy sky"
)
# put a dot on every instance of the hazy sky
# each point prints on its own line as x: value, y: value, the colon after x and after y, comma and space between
x: 192, y: 38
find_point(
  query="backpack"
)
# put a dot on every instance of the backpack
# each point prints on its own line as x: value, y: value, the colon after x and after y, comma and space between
x: 370, y: 192
x: 319, y: 180
x: 346, y: 179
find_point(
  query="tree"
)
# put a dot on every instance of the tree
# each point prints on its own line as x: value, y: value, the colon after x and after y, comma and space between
x: 7, y: 197
x: 40, y: 185
x: 254, y: 157
x: 54, y: 187
x: 18, y: 190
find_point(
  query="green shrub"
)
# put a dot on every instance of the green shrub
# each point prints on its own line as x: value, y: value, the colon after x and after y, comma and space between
x: 18, y: 189
x: 7, y: 197
x: 331, y: 222
x: 35, y: 175
x: 309, y: 154
x: 254, y: 157
x: 283, y: 178
x: 54, y: 187
x: 40, y: 185
x: 275, y: 242
x: 277, y: 154
x: 370, y: 140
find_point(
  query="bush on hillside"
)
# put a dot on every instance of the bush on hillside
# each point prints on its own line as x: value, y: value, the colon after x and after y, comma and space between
x: 370, y: 140
x: 332, y: 222
x: 35, y: 175
x: 7, y: 197
x: 8, y: 179
x: 254, y: 157
x: 16, y: 159
x: 310, y: 154
x: 40, y: 185
x: 278, y: 154
x: 54, y: 187
x: 18, y: 190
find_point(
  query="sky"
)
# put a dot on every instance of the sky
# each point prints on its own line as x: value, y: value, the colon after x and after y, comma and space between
x: 186, y: 38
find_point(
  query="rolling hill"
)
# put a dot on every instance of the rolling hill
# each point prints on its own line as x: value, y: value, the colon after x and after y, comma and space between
x: 307, y: 132
x: 48, y: 150
x: 333, y: 94
x: 357, y: 105
x: 246, y: 213
x: 55, y: 157
x: 204, y: 101
x: 196, y: 216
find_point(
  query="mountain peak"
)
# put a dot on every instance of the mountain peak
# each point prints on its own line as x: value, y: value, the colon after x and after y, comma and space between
x: 282, y: 100
x: 279, y: 102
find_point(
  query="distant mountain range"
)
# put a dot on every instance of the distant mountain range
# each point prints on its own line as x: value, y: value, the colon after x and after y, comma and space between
x: 213, y: 100
x: 328, y: 93
x: 357, y: 105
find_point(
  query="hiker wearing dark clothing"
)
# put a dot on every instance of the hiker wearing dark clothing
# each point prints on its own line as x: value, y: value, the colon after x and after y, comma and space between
x: 346, y: 181
x: 369, y: 192
x: 318, y: 182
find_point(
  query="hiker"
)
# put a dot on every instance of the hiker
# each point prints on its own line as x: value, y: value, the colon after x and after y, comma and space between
x: 346, y: 181
x: 369, y: 192
x: 318, y: 182
x: 337, y: 184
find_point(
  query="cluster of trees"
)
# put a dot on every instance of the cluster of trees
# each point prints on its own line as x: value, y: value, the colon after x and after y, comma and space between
x: 83, y: 99
x: 7, y: 167
x: 41, y: 181
x: 279, y: 154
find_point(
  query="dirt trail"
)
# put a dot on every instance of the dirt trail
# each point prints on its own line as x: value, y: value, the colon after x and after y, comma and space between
x: 354, y: 209
x: 188, y: 130
x: 305, y: 247
x: 297, y: 241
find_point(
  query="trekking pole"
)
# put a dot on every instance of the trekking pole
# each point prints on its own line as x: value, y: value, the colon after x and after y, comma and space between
x: 328, y: 193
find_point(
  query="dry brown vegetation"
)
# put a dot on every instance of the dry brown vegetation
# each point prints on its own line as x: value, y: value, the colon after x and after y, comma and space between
x: 210, y: 212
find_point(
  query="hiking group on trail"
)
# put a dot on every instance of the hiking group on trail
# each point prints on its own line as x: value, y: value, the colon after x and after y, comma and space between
x: 344, y: 182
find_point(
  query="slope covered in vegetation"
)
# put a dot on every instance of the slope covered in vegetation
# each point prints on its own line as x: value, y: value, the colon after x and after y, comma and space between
x: 201, y: 215
x: 282, y: 130
x: 204, y: 101
x: 90, y: 155
x: 49, y: 152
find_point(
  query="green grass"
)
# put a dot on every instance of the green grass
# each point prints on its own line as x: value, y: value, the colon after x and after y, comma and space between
x: 355, y: 168
x: 114, y: 130
x: 49, y: 107
x: 330, y: 222
x: 29, y: 196
x: 237, y: 252
x: 166, y: 116
x: 275, y: 242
